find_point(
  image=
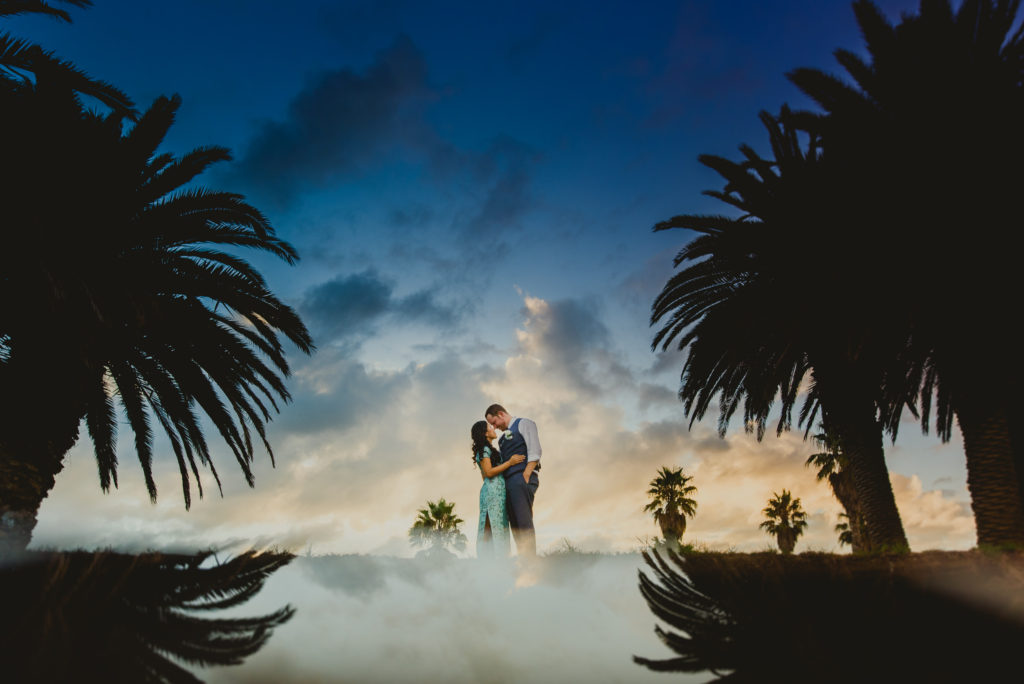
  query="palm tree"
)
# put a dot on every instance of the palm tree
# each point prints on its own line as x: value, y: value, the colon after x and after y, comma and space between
x: 80, y: 616
x: 940, y: 99
x: 832, y: 467
x: 785, y: 520
x: 117, y: 289
x: 670, y: 502
x: 748, y: 307
x: 437, y: 527
x: 18, y: 57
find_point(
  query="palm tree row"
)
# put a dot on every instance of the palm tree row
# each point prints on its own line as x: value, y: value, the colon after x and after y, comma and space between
x: 120, y: 288
x: 848, y: 272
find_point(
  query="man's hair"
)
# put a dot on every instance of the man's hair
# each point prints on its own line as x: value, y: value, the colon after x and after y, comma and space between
x: 494, y: 409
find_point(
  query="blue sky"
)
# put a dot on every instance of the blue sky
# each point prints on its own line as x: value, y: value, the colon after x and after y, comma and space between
x: 472, y: 187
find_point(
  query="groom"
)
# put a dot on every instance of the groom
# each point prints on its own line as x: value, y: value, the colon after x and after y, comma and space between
x: 518, y: 436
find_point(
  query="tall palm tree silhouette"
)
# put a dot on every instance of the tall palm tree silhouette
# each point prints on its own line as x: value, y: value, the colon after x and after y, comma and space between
x: 759, y: 309
x: 18, y: 57
x: 671, y: 503
x: 105, y: 616
x: 118, y: 287
x: 934, y: 112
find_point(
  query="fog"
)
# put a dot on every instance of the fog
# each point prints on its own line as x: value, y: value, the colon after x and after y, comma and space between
x: 360, y: 618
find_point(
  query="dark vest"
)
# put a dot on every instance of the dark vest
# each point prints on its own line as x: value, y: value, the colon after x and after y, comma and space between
x: 511, y: 446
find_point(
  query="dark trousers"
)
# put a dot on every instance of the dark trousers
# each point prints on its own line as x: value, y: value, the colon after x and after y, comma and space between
x: 519, y: 499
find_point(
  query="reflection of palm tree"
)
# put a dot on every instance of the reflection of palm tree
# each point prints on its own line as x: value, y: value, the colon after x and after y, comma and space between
x: 939, y: 99
x: 749, y: 307
x: 832, y: 466
x: 827, y: 618
x: 113, y: 617
x: 670, y: 502
x: 117, y: 285
x: 17, y: 56
x: 437, y: 527
x: 785, y: 520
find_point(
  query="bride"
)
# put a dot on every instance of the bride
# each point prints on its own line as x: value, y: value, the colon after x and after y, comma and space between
x: 492, y: 533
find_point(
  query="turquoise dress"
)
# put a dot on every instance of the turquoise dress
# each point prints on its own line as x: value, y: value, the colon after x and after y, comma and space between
x: 492, y: 508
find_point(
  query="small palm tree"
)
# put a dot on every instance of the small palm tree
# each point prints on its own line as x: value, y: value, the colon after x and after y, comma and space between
x: 785, y: 520
x: 437, y: 527
x: 670, y: 502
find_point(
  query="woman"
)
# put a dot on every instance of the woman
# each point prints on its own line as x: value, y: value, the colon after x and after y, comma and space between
x: 492, y: 533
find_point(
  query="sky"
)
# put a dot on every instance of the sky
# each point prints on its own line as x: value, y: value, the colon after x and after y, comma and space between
x: 472, y: 189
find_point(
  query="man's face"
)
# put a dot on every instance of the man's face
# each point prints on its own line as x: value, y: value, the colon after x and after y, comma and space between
x: 499, y: 421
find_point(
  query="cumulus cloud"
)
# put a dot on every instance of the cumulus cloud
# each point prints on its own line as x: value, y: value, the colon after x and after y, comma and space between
x: 566, y: 342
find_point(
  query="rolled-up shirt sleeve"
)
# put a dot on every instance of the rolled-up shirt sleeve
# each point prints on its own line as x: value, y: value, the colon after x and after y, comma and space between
x: 528, y: 429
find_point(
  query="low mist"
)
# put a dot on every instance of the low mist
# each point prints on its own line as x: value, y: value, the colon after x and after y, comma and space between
x: 576, y: 618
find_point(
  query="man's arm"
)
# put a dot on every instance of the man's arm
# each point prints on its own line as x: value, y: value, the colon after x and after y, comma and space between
x: 528, y: 429
x: 529, y: 470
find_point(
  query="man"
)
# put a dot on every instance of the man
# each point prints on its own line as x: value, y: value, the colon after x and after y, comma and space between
x: 518, y: 436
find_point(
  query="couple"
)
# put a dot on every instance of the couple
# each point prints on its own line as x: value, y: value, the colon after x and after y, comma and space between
x: 510, y: 482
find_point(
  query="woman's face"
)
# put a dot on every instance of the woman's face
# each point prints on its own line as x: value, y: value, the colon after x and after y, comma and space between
x: 490, y: 433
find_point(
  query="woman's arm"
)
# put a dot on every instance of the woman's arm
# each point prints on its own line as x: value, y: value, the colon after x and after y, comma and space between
x: 488, y: 471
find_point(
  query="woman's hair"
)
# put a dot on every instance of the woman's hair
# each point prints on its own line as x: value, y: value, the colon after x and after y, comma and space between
x: 479, y: 434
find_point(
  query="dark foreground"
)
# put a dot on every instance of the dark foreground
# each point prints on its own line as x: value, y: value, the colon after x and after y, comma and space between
x: 932, y: 616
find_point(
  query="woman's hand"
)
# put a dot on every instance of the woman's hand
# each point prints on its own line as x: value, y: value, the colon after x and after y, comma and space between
x: 518, y: 458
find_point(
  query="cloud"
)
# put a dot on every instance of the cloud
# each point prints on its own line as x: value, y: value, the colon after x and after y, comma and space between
x: 502, y: 175
x: 349, y: 307
x: 565, y: 341
x: 343, y: 124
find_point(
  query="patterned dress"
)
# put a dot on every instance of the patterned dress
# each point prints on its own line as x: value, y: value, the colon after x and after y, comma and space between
x: 492, y: 506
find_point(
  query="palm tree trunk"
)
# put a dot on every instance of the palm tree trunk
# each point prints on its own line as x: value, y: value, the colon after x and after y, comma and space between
x: 992, y: 477
x: 842, y: 488
x: 25, y: 480
x: 862, y: 440
x: 39, y: 418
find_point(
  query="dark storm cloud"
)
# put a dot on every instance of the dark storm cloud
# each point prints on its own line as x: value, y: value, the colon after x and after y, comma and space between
x: 348, y: 307
x: 342, y: 124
